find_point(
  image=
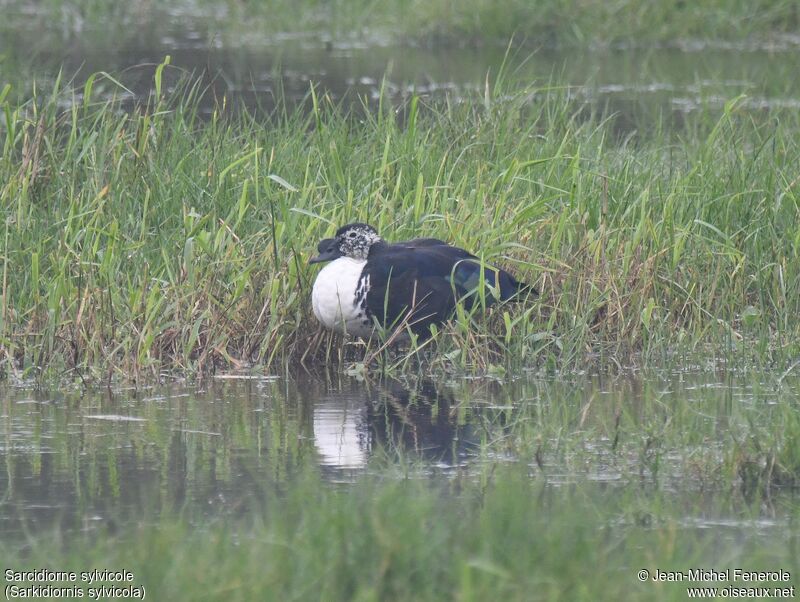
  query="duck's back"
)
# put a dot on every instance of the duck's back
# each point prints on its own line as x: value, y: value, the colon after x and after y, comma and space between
x: 430, y: 276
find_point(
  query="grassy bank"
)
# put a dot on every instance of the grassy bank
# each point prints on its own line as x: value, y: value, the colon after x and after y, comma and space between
x: 448, y: 22
x: 152, y: 240
x: 504, y: 535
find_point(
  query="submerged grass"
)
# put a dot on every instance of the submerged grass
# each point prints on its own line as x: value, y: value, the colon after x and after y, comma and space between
x: 506, y: 536
x: 139, y: 241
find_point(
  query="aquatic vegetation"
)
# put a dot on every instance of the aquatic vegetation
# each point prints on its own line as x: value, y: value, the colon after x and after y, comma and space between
x: 415, y: 540
x: 150, y: 239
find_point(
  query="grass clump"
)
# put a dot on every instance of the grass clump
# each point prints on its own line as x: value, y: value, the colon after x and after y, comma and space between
x: 151, y: 239
x: 415, y: 540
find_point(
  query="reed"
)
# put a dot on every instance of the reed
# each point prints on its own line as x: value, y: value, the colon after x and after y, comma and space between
x: 145, y: 240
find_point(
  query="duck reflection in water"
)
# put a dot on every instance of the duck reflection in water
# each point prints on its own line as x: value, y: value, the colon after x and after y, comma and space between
x: 420, y: 421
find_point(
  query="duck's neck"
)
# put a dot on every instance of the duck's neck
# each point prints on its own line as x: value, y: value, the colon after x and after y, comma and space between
x: 376, y: 247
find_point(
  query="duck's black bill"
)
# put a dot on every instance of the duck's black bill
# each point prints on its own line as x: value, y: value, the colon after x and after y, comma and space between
x: 328, y: 251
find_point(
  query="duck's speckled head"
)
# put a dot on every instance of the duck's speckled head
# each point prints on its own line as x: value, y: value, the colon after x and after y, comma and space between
x: 352, y: 240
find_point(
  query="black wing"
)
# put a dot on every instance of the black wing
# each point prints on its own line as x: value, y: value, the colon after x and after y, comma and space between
x: 426, y: 280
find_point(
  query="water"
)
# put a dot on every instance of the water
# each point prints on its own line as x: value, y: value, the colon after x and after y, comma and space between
x: 113, y: 458
x: 639, y: 85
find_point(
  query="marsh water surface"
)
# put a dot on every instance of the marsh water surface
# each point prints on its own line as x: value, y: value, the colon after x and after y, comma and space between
x: 640, y: 86
x: 115, y: 458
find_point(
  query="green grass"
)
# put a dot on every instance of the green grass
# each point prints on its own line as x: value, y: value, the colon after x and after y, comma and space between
x: 504, y: 536
x: 449, y: 22
x: 144, y: 241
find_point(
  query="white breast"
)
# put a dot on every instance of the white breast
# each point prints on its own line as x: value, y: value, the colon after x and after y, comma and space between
x: 334, y: 294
